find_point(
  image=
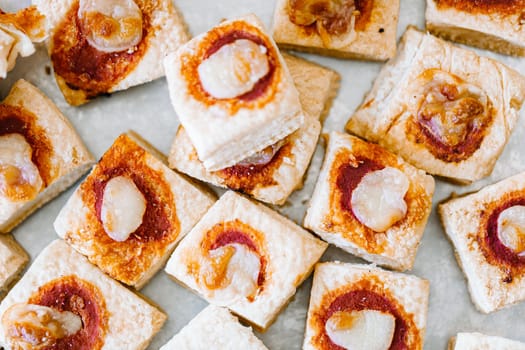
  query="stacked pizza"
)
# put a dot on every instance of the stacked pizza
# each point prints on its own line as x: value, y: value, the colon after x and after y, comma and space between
x: 250, y: 118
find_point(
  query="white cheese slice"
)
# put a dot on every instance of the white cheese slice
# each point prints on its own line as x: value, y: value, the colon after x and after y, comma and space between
x: 511, y: 228
x: 121, y: 26
x: 234, y: 69
x: 30, y: 326
x: 18, y: 173
x: 366, y: 329
x: 123, y: 207
x: 378, y: 200
x: 242, y: 273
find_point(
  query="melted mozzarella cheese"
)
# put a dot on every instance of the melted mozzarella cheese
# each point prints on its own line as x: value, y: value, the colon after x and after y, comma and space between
x: 123, y: 206
x: 378, y: 200
x: 19, y: 177
x: 111, y: 25
x: 237, y: 267
x: 234, y: 69
x: 511, y: 228
x: 366, y: 329
x: 30, y: 326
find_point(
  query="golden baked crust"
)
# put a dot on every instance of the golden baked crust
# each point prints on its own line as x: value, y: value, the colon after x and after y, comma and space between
x: 497, y: 25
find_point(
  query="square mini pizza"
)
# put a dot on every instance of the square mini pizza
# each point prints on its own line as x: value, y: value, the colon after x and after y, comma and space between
x: 130, y: 212
x: 477, y: 341
x: 444, y: 109
x: 232, y: 92
x: 246, y: 257
x: 214, y: 325
x: 487, y: 229
x: 363, y: 307
x: 13, y: 259
x: 272, y: 174
x: 492, y: 25
x: 40, y: 153
x: 64, y: 302
x: 349, y: 29
x: 96, y: 50
x: 370, y: 202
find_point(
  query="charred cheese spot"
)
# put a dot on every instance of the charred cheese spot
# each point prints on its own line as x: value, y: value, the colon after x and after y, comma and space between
x: 501, y: 234
x: 111, y: 25
x: 160, y: 226
x: 487, y: 7
x: 38, y: 327
x: 19, y: 177
x: 335, y: 21
x: 81, y: 298
x: 234, y: 264
x: 262, y: 91
x: 354, y: 306
x: 258, y: 170
x: 452, y: 117
x: 84, y: 68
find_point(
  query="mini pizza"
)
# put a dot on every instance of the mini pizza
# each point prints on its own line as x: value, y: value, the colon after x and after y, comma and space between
x: 18, y: 31
x: 364, y: 29
x: 487, y: 230
x: 214, y: 325
x: 246, y: 257
x: 370, y: 202
x: 130, y: 212
x: 64, y: 302
x: 232, y: 92
x: 13, y: 259
x: 40, y: 153
x: 488, y: 24
x: 477, y: 341
x: 444, y: 109
x: 272, y: 174
x: 363, y: 307
x: 96, y: 50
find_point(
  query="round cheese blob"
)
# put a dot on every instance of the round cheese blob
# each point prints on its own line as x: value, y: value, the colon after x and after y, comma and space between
x: 111, y: 25
x: 29, y: 326
x: 365, y: 329
x: 378, y: 200
x: 19, y: 177
x: 234, y: 69
x: 123, y: 207
x: 511, y: 229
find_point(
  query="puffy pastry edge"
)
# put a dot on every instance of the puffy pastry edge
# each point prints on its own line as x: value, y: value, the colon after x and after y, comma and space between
x: 491, y: 32
x: 13, y: 263
x: 221, y: 324
x: 473, y: 341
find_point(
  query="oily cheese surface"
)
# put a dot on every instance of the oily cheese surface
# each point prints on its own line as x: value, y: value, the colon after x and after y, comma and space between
x: 147, y: 110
